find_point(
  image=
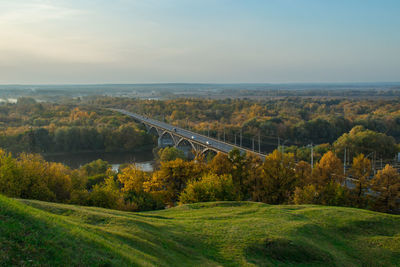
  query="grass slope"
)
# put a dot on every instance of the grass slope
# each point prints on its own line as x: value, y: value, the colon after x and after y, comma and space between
x: 204, y: 234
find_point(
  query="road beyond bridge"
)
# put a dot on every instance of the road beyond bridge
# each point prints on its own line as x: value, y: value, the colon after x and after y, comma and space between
x: 188, y: 141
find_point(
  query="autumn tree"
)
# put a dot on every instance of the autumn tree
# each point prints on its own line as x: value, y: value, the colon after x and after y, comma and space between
x: 172, y: 177
x: 325, y: 186
x: 211, y: 187
x: 34, y: 178
x: 59, y: 181
x: 328, y: 170
x: 239, y: 172
x: 360, y: 140
x: 106, y: 195
x: 170, y: 153
x: 220, y: 164
x: 361, y: 172
x: 136, y: 198
x: 96, y: 167
x: 386, y: 185
x: 302, y: 173
x: 11, y: 183
x: 254, y: 172
x: 277, y: 178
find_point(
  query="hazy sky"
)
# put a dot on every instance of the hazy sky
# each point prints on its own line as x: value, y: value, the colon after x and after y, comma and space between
x: 134, y: 41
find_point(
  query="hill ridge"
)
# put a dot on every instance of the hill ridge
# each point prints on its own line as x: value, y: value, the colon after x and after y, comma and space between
x: 207, y: 234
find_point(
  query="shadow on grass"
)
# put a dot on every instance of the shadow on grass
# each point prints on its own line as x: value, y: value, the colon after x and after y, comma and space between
x: 284, y: 251
x: 371, y: 226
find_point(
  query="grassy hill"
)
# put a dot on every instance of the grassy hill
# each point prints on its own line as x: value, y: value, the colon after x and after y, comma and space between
x: 204, y: 234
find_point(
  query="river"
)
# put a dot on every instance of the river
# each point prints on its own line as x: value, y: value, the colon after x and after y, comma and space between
x: 143, y: 159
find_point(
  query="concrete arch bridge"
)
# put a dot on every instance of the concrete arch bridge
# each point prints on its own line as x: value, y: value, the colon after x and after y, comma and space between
x: 189, y: 142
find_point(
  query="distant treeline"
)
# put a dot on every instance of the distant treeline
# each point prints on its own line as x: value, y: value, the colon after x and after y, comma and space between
x: 44, y: 127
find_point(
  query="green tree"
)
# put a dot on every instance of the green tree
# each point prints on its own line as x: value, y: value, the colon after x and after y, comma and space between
x: 172, y: 178
x: 106, y: 195
x: 211, y: 187
x: 362, y: 141
x: 96, y: 167
x: 170, y: 153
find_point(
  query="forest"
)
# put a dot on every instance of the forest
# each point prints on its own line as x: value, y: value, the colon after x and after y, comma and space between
x: 86, y: 124
x: 366, y: 130
x: 28, y: 126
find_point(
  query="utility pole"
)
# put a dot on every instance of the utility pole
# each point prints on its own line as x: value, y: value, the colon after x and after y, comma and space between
x: 235, y: 139
x: 224, y: 133
x: 279, y: 143
x: 283, y: 146
x: 371, y: 160
x: 259, y: 143
x: 253, y: 143
x: 344, y: 163
x: 208, y: 130
x: 240, y: 137
x: 312, y: 155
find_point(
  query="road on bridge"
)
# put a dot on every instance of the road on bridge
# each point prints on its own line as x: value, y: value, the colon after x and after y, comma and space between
x: 189, y: 135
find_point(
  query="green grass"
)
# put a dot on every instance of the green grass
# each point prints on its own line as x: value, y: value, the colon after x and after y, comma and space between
x: 205, y: 234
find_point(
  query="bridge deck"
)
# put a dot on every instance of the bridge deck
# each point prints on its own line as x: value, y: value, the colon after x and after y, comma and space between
x: 189, y: 135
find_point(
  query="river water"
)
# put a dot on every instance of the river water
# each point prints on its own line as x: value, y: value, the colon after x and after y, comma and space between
x: 143, y: 159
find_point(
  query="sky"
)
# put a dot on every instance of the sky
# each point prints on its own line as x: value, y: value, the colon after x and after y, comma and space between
x: 199, y: 41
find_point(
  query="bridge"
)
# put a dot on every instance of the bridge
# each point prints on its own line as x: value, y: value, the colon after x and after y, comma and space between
x: 185, y: 140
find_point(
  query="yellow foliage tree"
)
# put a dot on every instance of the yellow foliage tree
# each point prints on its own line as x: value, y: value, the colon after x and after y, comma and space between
x: 361, y: 171
x: 172, y: 178
x: 386, y: 184
x: 220, y: 164
x: 277, y: 179
x: 303, y: 173
x: 328, y: 170
x: 132, y: 178
x: 11, y: 183
x: 34, y: 178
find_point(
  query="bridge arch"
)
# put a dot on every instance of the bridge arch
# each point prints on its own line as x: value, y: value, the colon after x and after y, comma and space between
x: 153, y: 130
x: 208, y: 153
x: 187, y: 147
x: 166, y: 139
